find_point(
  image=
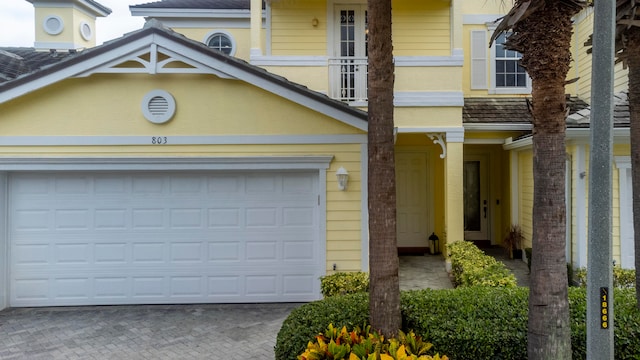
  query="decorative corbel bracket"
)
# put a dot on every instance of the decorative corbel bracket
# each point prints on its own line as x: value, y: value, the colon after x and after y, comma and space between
x: 438, y: 138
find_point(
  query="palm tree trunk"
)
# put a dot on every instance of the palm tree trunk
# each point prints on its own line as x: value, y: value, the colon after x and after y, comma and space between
x: 633, y: 61
x: 384, y: 289
x: 547, y: 57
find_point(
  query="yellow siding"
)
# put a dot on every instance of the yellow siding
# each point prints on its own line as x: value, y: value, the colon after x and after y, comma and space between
x: 582, y: 31
x: 439, y: 78
x: 292, y: 32
x: 428, y: 116
x: 313, y: 77
x: 421, y: 28
x: 487, y: 7
x: 205, y: 104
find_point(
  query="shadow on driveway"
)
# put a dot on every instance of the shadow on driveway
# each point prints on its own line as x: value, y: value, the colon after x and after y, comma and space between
x: 206, y: 331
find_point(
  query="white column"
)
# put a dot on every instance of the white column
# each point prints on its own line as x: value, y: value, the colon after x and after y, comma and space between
x: 4, y: 243
x: 581, y: 206
x: 256, y: 27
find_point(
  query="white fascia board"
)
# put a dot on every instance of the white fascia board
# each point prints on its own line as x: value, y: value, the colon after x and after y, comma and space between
x: 583, y: 135
x: 46, y: 45
x: 165, y: 163
x: 521, y: 144
x: 497, y: 127
x: 193, y: 13
x: 428, y: 98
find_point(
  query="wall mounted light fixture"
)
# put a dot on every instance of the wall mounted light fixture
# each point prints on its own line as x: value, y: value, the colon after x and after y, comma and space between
x: 343, y: 178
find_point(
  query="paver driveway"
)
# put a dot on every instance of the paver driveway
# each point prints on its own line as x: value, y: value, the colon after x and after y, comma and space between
x: 245, y: 331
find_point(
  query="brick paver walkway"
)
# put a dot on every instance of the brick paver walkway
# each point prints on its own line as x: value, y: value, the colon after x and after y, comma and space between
x: 226, y: 332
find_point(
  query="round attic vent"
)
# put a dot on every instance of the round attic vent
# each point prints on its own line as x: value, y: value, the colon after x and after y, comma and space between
x: 53, y: 24
x: 158, y: 106
x: 86, y: 31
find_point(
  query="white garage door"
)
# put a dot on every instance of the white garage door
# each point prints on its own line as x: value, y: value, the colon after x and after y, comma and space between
x: 145, y: 238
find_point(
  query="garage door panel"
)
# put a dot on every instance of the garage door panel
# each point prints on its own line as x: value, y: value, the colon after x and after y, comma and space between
x: 79, y: 239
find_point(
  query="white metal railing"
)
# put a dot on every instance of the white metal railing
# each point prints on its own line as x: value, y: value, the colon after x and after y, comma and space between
x: 348, y: 78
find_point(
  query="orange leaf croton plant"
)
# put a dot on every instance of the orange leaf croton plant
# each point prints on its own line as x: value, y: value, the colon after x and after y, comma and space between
x: 363, y: 344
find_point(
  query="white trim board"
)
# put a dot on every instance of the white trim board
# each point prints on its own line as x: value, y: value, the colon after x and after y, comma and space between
x: 164, y: 163
x: 428, y: 98
x: 179, y: 140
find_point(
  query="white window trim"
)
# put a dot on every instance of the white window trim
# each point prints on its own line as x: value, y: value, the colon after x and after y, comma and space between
x: 491, y: 27
x: 53, y: 31
x: 213, y: 33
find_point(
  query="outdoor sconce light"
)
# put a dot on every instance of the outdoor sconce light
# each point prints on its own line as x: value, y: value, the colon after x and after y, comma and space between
x: 343, y: 178
x: 315, y: 22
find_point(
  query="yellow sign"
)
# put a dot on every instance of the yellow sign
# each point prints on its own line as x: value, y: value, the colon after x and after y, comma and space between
x: 604, y: 308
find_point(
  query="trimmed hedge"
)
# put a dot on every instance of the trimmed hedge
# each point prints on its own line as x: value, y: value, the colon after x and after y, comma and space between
x: 464, y: 323
x: 471, y: 267
x: 343, y: 283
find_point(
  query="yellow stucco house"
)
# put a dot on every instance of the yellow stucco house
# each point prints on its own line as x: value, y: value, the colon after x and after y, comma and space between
x: 203, y: 157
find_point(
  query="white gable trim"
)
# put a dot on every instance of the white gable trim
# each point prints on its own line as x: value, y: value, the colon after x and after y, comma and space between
x: 201, y: 62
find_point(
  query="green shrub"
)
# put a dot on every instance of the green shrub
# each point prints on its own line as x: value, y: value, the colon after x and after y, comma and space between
x: 471, y: 267
x: 343, y: 283
x: 464, y: 323
x: 622, y: 278
x: 340, y: 344
x: 307, y: 321
x: 472, y: 322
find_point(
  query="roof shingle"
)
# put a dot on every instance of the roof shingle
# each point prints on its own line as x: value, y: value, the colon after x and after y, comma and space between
x: 506, y: 110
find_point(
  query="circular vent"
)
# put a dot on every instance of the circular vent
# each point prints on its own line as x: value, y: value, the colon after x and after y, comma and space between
x: 86, y: 31
x: 158, y: 106
x: 53, y: 25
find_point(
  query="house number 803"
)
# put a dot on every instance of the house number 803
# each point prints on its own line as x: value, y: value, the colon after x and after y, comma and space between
x: 159, y: 140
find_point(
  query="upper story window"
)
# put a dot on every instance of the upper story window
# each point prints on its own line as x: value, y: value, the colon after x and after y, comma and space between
x: 496, y: 69
x: 221, y: 41
x: 509, y: 73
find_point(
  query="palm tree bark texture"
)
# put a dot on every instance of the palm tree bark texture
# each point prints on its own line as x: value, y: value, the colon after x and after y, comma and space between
x: 542, y: 34
x: 384, y: 289
x: 632, y: 51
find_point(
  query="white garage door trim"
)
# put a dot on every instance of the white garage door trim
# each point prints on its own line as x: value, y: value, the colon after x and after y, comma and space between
x: 317, y: 163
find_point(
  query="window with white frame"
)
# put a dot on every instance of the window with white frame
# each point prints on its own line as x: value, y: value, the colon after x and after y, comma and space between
x: 221, y: 41
x: 495, y: 68
x: 509, y: 73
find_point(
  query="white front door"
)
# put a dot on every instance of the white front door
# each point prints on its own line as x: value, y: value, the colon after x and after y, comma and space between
x: 476, y: 205
x: 411, y: 191
x: 157, y: 237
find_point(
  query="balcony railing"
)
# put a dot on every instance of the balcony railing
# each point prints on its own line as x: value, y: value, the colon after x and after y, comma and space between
x: 348, y: 79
